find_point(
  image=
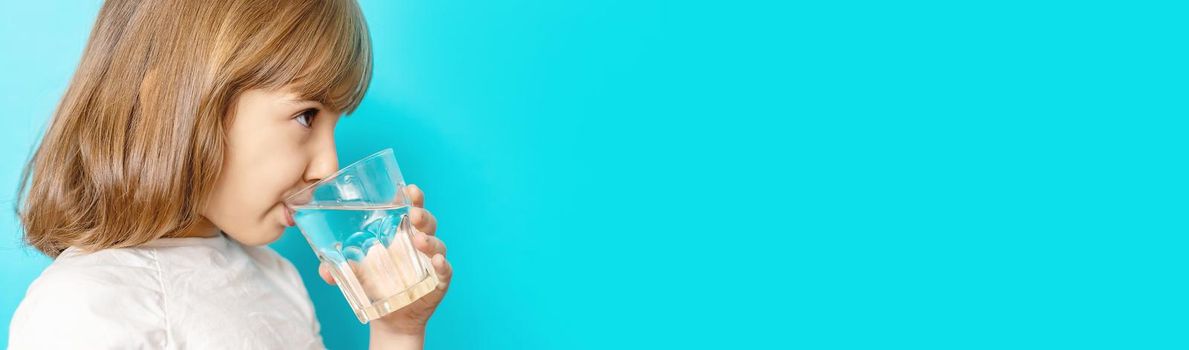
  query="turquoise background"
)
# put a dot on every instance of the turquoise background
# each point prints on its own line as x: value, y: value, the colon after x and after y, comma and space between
x: 746, y: 174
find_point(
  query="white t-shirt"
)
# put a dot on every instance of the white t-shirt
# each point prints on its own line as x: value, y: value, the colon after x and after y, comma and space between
x: 172, y: 293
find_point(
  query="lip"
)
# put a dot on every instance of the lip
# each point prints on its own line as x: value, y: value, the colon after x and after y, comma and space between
x: 289, y: 217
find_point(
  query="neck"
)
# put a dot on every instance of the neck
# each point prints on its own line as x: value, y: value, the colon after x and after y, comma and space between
x: 204, y: 229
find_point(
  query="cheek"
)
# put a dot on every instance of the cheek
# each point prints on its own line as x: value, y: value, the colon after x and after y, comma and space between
x: 246, y: 204
x: 250, y: 190
x: 266, y: 180
x: 264, y: 166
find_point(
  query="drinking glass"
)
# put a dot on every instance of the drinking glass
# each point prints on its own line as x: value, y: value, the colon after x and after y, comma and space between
x: 357, y: 221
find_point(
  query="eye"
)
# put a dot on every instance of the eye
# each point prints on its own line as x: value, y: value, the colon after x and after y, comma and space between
x: 306, y: 117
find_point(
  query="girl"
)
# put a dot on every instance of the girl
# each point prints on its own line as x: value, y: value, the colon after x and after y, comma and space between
x: 160, y: 179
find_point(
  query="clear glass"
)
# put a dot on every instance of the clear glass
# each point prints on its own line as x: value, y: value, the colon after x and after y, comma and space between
x: 357, y: 222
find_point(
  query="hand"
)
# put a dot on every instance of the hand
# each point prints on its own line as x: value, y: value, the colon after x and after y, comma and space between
x: 411, y: 319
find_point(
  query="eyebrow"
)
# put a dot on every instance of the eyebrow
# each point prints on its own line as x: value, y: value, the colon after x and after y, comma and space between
x: 294, y: 101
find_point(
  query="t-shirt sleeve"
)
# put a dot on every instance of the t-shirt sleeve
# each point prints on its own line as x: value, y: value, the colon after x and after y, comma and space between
x: 79, y: 309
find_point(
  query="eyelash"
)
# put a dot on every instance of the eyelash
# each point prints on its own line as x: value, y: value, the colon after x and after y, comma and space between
x: 310, y: 114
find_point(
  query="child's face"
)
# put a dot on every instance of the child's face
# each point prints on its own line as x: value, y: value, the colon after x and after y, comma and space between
x: 276, y: 145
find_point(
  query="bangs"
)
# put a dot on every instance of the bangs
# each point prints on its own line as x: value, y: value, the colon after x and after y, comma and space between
x: 322, y: 52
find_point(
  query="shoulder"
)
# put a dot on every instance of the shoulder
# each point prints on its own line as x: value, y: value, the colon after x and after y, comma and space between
x: 106, y: 299
x: 106, y: 275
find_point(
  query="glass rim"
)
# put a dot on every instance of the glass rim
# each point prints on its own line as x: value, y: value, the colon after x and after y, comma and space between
x: 337, y: 173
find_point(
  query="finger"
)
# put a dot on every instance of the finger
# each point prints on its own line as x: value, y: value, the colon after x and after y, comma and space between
x: 430, y: 245
x: 444, y: 269
x: 415, y: 195
x: 324, y: 272
x: 423, y: 220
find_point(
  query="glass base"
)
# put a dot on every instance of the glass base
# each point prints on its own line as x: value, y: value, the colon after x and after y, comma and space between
x: 397, y: 301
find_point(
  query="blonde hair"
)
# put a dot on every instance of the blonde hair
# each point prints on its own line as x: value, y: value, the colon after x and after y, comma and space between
x: 137, y: 140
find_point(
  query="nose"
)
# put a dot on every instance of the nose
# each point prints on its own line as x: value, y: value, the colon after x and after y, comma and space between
x: 325, y: 162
